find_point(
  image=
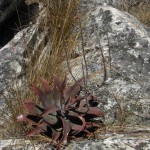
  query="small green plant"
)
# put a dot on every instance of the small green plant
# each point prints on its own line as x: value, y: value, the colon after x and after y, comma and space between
x: 62, y: 112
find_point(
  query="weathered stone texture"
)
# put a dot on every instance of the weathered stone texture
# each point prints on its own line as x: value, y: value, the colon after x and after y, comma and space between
x: 12, y: 62
x: 125, y: 44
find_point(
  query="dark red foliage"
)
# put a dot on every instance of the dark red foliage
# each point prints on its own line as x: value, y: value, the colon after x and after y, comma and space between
x: 62, y: 112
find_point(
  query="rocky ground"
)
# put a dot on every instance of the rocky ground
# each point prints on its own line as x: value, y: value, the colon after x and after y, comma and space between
x: 137, y: 140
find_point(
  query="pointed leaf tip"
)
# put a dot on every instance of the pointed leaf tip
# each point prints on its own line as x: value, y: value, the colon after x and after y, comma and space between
x: 30, y: 106
x: 51, y: 109
x: 45, y: 84
x: 66, y: 130
x: 21, y: 118
x: 74, y: 90
x: 36, y: 130
x: 37, y: 91
x: 64, y: 83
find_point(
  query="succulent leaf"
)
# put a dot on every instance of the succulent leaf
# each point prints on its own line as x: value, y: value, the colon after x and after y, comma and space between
x: 90, y: 110
x: 56, y: 135
x: 30, y: 106
x: 95, y: 111
x: 73, y: 114
x: 46, y: 86
x: 62, y: 111
x: 66, y: 130
x: 57, y: 96
x: 51, y: 109
x: 64, y: 83
x: 36, y: 130
x: 57, y: 83
x: 40, y: 93
x: 73, y: 90
x: 50, y: 119
x: 91, y: 125
x: 76, y: 127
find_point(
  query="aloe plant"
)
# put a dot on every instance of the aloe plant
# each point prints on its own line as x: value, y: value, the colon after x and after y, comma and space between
x: 62, y: 111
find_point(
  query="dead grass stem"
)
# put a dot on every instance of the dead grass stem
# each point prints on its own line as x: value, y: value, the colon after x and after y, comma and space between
x: 59, y: 25
x: 138, y: 8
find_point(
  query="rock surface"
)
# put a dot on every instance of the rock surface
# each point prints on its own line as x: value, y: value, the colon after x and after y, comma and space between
x: 11, y: 59
x: 125, y: 44
x: 137, y: 140
x: 116, y: 142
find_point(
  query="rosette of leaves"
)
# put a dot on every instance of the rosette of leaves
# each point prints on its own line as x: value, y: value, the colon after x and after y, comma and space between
x: 62, y: 111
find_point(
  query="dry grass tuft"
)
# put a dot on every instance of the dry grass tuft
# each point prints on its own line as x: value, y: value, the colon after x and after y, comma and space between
x: 58, y: 23
x: 138, y: 8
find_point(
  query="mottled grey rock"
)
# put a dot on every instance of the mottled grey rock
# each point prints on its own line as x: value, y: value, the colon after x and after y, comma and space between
x: 21, y: 144
x: 125, y: 43
x: 91, y: 5
x: 100, y: 2
x: 133, y: 138
x: 112, y: 142
x: 12, y: 61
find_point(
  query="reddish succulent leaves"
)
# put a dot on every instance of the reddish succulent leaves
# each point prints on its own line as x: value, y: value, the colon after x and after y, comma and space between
x: 73, y: 90
x: 46, y: 86
x: 66, y: 130
x: 63, y: 112
x: 51, y: 109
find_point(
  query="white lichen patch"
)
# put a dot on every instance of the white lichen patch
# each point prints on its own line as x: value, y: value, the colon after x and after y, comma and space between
x: 134, y: 52
x: 137, y: 44
x: 16, y: 67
